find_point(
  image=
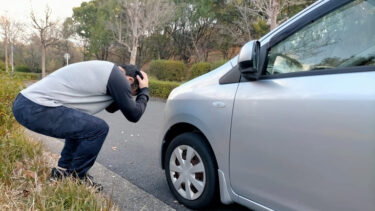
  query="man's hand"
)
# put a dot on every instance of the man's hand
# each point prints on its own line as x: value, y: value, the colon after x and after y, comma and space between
x: 143, y: 83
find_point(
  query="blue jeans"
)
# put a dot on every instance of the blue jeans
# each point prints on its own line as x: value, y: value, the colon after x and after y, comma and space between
x: 84, y: 134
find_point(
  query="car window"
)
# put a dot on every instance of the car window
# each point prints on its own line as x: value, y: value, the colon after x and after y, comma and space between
x: 343, y: 38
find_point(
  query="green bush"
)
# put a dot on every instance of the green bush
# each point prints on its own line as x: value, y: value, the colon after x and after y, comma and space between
x: 27, y: 76
x: 22, y: 68
x: 161, y: 89
x: 168, y: 70
x: 217, y: 64
x: 199, y: 69
x: 2, y: 66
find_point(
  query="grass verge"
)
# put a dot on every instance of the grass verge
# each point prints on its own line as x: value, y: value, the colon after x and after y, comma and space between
x: 25, y: 167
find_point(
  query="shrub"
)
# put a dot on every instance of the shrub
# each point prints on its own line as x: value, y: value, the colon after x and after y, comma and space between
x: 161, y: 89
x: 2, y: 66
x: 22, y: 68
x: 27, y: 76
x: 199, y: 69
x: 204, y: 67
x: 23, y: 76
x: 217, y: 64
x: 168, y: 70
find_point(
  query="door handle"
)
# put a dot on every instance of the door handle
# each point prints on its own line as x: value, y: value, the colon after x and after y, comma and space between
x: 218, y: 104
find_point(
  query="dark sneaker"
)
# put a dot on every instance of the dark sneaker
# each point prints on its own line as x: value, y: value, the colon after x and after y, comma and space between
x: 89, y: 180
x: 58, y: 174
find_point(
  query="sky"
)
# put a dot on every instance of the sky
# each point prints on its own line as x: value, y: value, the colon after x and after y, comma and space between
x: 20, y: 9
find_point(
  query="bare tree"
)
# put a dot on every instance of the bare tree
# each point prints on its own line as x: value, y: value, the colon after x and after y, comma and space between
x: 245, y: 20
x: 48, y: 33
x: 240, y: 28
x: 271, y: 9
x: 5, y: 26
x: 139, y: 18
x: 200, y: 35
x: 32, y: 56
x: 268, y: 9
x: 11, y: 31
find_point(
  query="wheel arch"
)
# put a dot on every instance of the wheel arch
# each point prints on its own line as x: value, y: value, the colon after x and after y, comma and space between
x: 180, y: 128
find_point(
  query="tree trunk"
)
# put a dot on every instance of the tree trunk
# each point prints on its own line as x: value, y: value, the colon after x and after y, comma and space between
x: 133, y: 54
x: 6, y: 55
x: 12, y: 56
x: 275, y: 8
x: 43, y: 61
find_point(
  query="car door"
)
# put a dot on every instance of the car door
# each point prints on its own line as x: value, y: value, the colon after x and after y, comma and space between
x: 303, y: 135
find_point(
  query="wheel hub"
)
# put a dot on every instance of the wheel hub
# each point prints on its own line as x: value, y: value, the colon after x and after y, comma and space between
x: 187, y: 172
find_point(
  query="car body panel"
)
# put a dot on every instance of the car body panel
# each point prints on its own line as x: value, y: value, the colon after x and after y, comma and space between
x: 290, y: 159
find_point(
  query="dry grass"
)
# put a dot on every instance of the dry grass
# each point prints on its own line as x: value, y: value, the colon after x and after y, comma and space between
x: 25, y: 168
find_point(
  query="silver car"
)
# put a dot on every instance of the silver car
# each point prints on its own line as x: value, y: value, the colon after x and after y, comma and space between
x: 288, y: 124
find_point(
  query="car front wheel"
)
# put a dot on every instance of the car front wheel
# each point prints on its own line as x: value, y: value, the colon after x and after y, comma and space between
x: 191, y: 171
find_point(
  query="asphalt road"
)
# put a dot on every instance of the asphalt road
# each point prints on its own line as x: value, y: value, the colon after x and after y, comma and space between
x: 133, y: 150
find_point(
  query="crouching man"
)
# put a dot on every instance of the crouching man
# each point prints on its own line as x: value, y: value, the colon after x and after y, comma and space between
x: 62, y: 106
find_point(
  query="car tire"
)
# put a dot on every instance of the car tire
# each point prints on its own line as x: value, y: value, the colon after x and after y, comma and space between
x: 194, y: 152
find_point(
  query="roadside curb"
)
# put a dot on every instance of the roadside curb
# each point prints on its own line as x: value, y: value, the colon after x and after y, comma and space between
x: 126, y: 195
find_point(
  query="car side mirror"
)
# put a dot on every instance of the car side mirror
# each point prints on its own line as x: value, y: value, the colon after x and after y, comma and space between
x: 248, y: 60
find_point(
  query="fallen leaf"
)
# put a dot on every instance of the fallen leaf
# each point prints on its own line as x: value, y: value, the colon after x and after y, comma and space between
x: 114, y: 148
